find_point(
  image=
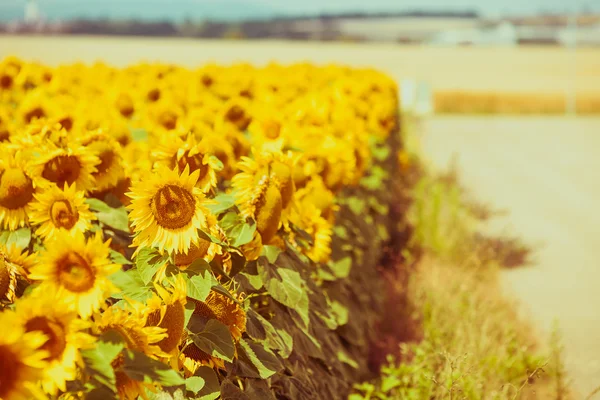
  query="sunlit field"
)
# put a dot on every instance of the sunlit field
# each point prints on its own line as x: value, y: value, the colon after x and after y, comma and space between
x: 182, y: 219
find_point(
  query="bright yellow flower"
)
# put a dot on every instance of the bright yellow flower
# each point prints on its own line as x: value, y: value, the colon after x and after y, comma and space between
x: 72, y: 165
x: 167, y: 209
x: 54, y: 318
x: 77, y: 270
x: 17, y: 189
x: 22, y: 360
x: 57, y: 210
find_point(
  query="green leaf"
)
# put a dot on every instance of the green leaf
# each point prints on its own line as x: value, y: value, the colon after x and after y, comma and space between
x: 288, y: 288
x: 116, y: 218
x: 119, y: 258
x: 340, y: 312
x: 239, y: 230
x: 98, y: 360
x: 255, y: 281
x: 142, y: 368
x: 215, y: 339
x: 263, y: 360
x: 356, y: 205
x: 271, y: 252
x: 19, y: 238
x: 194, y: 384
x: 198, y: 286
x: 211, y: 389
x: 346, y: 359
x: 147, y: 262
x: 139, y: 135
x: 341, y: 268
x: 223, y: 202
x: 131, y: 284
x: 207, y: 236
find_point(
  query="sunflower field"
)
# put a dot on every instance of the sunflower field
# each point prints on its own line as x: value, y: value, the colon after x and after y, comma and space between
x: 173, y: 233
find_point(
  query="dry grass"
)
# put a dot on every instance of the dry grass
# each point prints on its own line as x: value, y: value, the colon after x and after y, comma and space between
x: 467, y: 102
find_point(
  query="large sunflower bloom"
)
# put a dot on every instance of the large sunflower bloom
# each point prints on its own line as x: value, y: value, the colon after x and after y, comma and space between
x: 77, y: 270
x: 22, y: 361
x: 57, y: 210
x: 52, y: 317
x: 175, y: 152
x: 17, y: 188
x: 8, y: 277
x: 110, y: 169
x: 75, y: 164
x: 167, y: 210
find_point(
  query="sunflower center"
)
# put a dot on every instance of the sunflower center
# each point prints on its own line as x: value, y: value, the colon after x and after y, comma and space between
x: 168, y: 119
x: 272, y: 129
x: 173, y: 207
x: 182, y: 260
x: 173, y: 321
x: 57, y: 342
x: 75, y: 273
x: 237, y: 116
x: 125, y: 105
x: 106, y: 161
x: 6, y: 81
x: 66, y: 122
x: 5, y: 279
x: 36, y: 112
x: 153, y: 95
x: 4, y: 133
x: 16, y: 189
x: 63, y: 214
x: 10, y: 366
x: 62, y: 169
x: 194, y: 162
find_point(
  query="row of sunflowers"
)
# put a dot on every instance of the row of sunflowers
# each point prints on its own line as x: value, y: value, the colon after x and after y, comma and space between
x: 131, y: 199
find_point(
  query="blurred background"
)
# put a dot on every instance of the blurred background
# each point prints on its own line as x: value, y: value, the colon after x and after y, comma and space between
x: 475, y: 56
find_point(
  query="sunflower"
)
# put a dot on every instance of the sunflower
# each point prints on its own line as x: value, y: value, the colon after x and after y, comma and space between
x: 235, y: 113
x: 8, y: 277
x: 167, y: 310
x: 20, y: 259
x: 74, y: 164
x: 308, y: 218
x: 52, y: 317
x: 316, y: 193
x: 130, y: 324
x: 110, y: 169
x: 175, y: 152
x: 35, y: 105
x: 225, y: 310
x: 22, y: 361
x: 264, y: 190
x: 56, y: 210
x: 77, y: 270
x: 167, y: 210
x: 17, y: 189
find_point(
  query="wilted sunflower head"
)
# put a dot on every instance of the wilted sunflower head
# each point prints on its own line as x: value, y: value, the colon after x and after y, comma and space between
x: 22, y: 360
x: 72, y: 165
x: 77, y: 270
x: 64, y: 330
x: 20, y: 259
x: 17, y: 189
x: 55, y: 210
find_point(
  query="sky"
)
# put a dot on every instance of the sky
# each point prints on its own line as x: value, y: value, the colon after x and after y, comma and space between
x: 241, y: 9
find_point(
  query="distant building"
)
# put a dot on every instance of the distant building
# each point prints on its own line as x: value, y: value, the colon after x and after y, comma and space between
x: 503, y: 34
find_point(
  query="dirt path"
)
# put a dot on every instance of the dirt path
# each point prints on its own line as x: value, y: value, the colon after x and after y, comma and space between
x: 546, y: 173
